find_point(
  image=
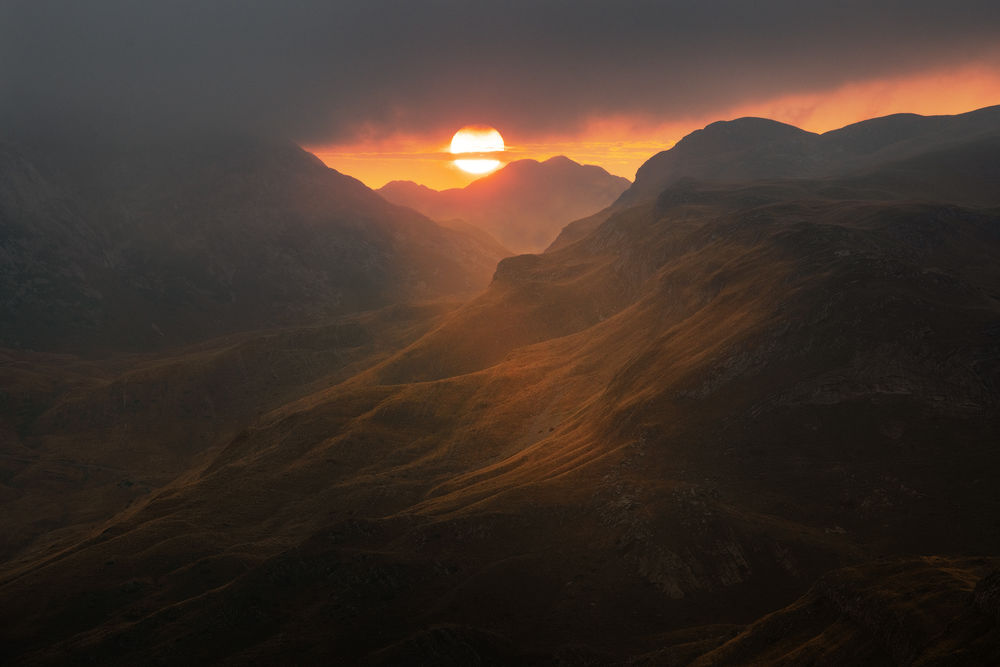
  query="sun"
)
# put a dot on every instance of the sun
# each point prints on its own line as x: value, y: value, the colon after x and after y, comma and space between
x: 481, y: 142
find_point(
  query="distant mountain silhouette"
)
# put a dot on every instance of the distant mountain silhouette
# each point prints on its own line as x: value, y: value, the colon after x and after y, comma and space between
x: 744, y: 421
x: 523, y: 205
x: 141, y: 245
x: 748, y: 149
x: 755, y: 148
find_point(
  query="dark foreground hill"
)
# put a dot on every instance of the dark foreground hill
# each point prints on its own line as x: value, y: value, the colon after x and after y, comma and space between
x: 524, y: 204
x: 108, y: 244
x: 737, y: 423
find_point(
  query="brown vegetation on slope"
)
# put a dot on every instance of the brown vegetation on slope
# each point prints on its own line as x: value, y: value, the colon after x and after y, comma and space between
x: 682, y: 420
x: 634, y: 445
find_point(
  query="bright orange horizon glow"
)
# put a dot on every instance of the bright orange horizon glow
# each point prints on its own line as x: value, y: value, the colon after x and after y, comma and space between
x: 621, y: 144
x: 476, y: 139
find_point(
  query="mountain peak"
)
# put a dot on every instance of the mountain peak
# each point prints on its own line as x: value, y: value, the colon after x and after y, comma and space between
x: 404, y: 186
x: 523, y: 204
x: 752, y: 123
x: 757, y: 148
x: 523, y: 163
x: 739, y: 134
x: 727, y: 150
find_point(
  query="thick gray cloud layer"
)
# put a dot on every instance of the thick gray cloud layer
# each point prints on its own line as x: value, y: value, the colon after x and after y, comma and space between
x: 328, y: 70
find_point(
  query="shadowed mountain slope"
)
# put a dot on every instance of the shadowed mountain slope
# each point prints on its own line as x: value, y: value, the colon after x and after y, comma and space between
x: 681, y: 421
x: 524, y: 204
x: 914, y: 611
x: 141, y: 245
x: 81, y: 440
x: 727, y: 400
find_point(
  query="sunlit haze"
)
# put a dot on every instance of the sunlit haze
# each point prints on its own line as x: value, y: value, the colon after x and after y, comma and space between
x: 621, y: 143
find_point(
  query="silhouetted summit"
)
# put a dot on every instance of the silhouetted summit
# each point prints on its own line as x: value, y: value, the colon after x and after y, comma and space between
x: 756, y: 148
x: 733, y: 150
x: 899, y: 146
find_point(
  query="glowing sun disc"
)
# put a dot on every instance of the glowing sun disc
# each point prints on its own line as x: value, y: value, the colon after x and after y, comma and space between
x: 474, y: 139
x: 477, y: 166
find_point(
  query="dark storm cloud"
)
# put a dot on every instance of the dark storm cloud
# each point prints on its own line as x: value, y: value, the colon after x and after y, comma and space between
x: 334, y: 70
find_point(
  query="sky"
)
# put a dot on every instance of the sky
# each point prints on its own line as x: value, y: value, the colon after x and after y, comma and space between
x: 377, y: 89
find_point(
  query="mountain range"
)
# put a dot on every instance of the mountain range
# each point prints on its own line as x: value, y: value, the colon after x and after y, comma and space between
x: 745, y: 414
x: 902, y: 145
x: 143, y: 244
x: 524, y: 204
